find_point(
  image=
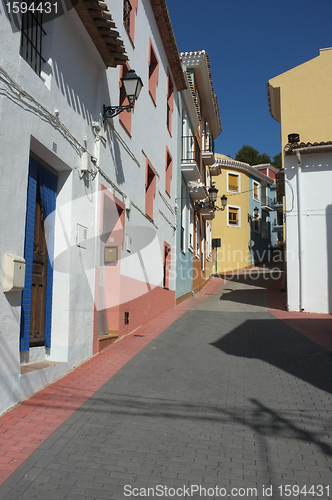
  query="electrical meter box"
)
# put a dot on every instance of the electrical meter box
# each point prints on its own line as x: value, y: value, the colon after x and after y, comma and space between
x: 111, y: 255
x: 14, y: 275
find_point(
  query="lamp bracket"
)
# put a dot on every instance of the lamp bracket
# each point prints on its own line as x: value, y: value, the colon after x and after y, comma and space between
x: 112, y: 111
x: 209, y: 205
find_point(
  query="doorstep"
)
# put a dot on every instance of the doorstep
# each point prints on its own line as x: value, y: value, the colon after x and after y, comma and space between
x: 40, y: 365
x: 106, y: 340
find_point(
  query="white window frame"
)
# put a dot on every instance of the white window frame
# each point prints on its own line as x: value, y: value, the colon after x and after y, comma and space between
x: 191, y: 229
x: 208, y: 240
x: 184, y: 216
x: 197, y: 238
x: 239, y: 216
x: 239, y: 182
x: 258, y: 191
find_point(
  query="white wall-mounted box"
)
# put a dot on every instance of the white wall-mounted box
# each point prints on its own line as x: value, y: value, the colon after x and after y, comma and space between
x: 14, y: 275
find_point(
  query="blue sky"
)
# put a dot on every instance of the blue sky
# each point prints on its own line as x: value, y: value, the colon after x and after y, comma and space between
x: 248, y: 43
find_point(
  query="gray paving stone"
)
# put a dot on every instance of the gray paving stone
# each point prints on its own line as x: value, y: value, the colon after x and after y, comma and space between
x: 227, y: 395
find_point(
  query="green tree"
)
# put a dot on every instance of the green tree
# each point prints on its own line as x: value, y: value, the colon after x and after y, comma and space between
x: 277, y: 163
x: 263, y: 158
x: 248, y: 154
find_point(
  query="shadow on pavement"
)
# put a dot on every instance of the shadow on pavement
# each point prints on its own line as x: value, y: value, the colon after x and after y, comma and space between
x: 261, y: 285
x: 282, y: 346
x: 264, y: 421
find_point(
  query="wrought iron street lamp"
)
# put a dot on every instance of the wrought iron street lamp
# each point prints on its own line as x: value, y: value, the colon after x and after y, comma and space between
x: 255, y: 216
x: 213, y: 193
x: 132, y: 85
x: 211, y: 204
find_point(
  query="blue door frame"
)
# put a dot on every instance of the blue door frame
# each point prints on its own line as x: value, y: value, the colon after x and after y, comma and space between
x: 42, y: 179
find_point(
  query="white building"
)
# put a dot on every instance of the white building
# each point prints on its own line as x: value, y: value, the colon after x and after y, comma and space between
x: 102, y: 193
x: 308, y: 212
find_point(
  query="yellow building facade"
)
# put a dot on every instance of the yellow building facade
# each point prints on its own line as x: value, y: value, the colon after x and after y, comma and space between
x: 301, y: 100
x: 231, y: 225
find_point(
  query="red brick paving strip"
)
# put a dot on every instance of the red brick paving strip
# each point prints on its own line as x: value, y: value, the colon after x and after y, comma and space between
x: 26, y: 426
x: 317, y: 327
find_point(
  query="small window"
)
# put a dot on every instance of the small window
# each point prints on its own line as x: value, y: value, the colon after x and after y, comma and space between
x: 129, y: 13
x: 125, y: 118
x: 153, y: 73
x: 233, y: 182
x: 256, y: 191
x: 233, y: 216
x: 167, y: 265
x: 32, y: 33
x: 170, y: 102
x: 168, y: 172
x: 150, y: 189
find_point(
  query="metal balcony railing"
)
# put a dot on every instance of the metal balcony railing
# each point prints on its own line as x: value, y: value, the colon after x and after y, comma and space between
x: 191, y: 151
x: 277, y: 223
x: 278, y: 200
x: 208, y: 144
x: 266, y: 201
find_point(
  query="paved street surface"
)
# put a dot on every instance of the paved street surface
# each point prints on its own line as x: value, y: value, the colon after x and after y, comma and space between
x: 228, y: 401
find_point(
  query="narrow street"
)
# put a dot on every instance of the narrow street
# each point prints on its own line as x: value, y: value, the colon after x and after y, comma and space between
x: 228, y: 401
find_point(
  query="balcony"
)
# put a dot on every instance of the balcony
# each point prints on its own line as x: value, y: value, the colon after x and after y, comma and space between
x: 277, y: 224
x: 206, y: 213
x: 208, y: 150
x: 215, y: 169
x: 197, y: 191
x: 267, y: 203
x: 190, y: 159
x: 278, y: 203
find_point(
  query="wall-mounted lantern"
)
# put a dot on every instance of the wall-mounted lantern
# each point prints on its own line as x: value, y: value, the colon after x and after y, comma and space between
x: 255, y: 216
x: 132, y: 85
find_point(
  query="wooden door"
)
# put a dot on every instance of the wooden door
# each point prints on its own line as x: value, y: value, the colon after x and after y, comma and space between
x: 39, y: 277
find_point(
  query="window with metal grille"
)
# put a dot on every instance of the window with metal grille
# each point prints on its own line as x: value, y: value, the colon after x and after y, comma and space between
x: 32, y: 33
x: 127, y: 8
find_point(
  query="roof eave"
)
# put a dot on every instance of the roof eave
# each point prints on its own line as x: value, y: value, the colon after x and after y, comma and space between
x: 199, y: 61
x: 98, y: 23
x: 273, y: 97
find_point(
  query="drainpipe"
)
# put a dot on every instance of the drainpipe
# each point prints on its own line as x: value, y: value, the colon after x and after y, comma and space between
x: 299, y: 226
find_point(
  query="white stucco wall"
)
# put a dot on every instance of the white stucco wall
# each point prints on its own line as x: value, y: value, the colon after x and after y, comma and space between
x: 29, y: 130
x: 76, y: 84
x: 313, y: 250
